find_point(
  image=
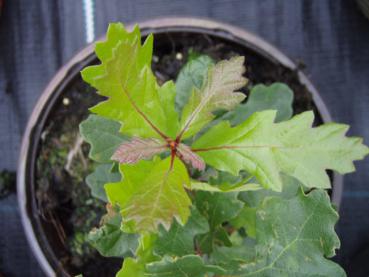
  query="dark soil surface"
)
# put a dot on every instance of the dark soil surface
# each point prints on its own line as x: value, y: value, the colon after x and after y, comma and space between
x: 66, y: 208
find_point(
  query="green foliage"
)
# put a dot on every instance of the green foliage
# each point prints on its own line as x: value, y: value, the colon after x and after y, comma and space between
x: 150, y: 194
x: 192, y: 75
x: 265, y: 149
x: 178, y: 241
x: 102, y: 175
x: 291, y: 239
x: 232, y: 258
x: 226, y: 182
x: 207, y: 196
x: 131, y: 268
x: 217, y: 93
x: 103, y: 136
x: 190, y: 265
x: 277, y: 97
x: 125, y: 77
x: 217, y: 208
x: 110, y: 241
x: 246, y: 218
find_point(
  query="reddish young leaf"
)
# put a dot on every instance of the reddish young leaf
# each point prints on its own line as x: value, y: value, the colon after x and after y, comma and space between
x: 137, y: 149
x: 189, y: 157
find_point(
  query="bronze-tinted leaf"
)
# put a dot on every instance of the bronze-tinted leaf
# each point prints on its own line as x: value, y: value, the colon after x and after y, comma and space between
x: 219, y: 92
x: 138, y: 149
x: 189, y: 157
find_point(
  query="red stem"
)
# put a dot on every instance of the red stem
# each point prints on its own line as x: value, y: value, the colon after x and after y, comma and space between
x: 172, y: 157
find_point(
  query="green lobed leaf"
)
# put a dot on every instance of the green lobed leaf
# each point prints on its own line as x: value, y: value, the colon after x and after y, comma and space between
x: 246, y: 219
x: 217, y: 208
x: 110, y: 241
x: 151, y: 194
x: 265, y: 149
x: 132, y: 267
x: 218, y: 92
x: 223, y: 178
x: 144, y: 108
x: 102, y: 175
x: 190, y: 265
x: 179, y: 240
x: 103, y: 136
x: 145, y: 251
x: 226, y: 182
x: 144, y: 254
x: 276, y: 96
x: 235, y: 188
x: 232, y: 258
x: 291, y: 188
x: 217, y: 236
x: 192, y: 75
x: 291, y: 239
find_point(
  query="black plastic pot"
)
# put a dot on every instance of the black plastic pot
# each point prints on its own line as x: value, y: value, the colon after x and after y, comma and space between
x: 41, y: 237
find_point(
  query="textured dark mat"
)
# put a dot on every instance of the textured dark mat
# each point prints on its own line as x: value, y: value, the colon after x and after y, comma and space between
x: 331, y: 37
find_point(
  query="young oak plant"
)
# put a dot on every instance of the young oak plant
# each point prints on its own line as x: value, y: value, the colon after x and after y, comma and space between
x: 247, y: 220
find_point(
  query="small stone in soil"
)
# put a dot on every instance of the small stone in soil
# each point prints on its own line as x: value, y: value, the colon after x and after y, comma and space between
x: 66, y: 101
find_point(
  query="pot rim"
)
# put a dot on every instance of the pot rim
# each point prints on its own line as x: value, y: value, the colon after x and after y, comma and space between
x: 86, y: 56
